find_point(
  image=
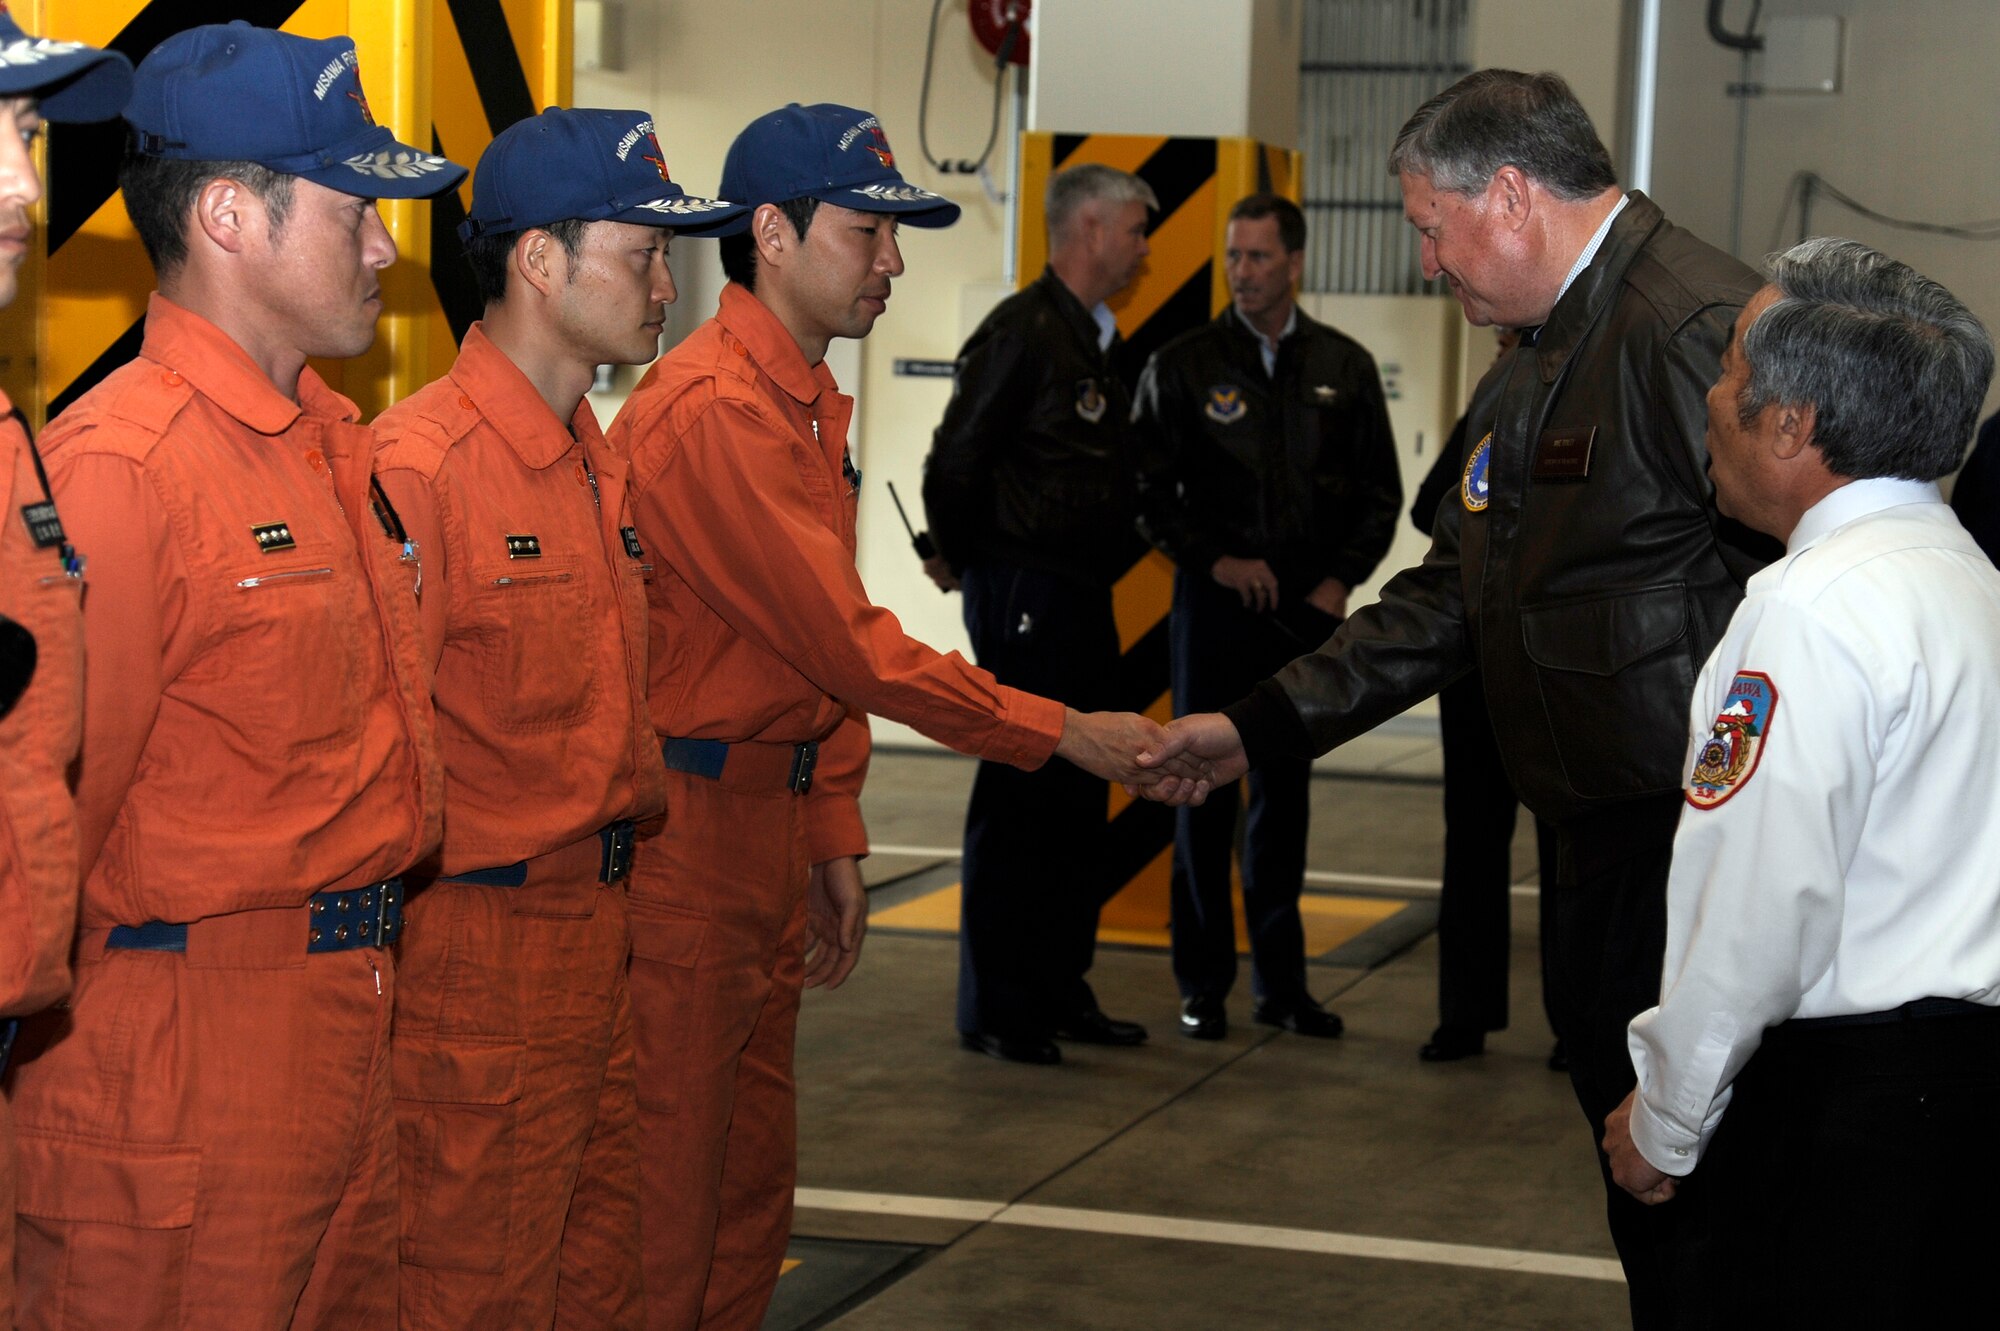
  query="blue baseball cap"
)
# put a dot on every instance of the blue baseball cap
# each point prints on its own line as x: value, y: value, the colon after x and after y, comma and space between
x: 835, y: 154
x: 71, y: 82
x: 590, y: 165
x: 231, y: 92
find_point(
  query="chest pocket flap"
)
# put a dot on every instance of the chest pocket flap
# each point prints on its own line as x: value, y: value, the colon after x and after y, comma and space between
x: 1606, y: 634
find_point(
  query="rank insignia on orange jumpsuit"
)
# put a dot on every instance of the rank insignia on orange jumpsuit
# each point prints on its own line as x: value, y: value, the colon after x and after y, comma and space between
x: 513, y: 1040
x: 766, y: 656
x: 206, y: 1134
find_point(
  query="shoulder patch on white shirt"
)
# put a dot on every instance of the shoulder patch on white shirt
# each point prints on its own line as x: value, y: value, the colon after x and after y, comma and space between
x: 1727, y: 759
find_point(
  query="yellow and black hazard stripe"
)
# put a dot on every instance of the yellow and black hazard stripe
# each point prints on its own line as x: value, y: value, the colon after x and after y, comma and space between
x: 489, y: 70
x: 82, y: 189
x: 1183, y: 285
x: 464, y: 69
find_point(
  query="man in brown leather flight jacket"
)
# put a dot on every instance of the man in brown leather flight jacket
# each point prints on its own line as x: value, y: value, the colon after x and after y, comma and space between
x: 1582, y: 566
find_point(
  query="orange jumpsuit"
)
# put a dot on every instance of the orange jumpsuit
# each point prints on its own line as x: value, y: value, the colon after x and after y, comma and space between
x: 513, y: 1038
x: 762, y: 638
x: 206, y: 1136
x: 38, y: 740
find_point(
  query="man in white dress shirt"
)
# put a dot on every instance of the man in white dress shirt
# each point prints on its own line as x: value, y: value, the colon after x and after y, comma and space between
x: 1827, y: 1047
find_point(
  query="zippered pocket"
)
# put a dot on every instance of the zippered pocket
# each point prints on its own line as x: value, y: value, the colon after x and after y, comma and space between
x: 293, y: 574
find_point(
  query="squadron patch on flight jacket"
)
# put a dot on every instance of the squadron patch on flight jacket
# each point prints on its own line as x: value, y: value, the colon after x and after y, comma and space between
x: 523, y: 546
x: 1225, y: 404
x: 1727, y: 759
x: 1473, y: 488
x: 1089, y: 401
x: 630, y: 535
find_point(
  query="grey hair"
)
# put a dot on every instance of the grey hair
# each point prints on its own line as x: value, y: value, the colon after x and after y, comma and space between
x: 1071, y: 189
x: 1501, y: 117
x: 1894, y: 366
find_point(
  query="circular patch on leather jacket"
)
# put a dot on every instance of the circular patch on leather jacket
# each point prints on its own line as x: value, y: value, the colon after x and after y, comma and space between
x: 1473, y: 488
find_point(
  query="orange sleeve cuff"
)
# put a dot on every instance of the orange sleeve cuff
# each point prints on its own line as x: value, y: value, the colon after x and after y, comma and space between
x: 833, y: 808
x: 1031, y: 727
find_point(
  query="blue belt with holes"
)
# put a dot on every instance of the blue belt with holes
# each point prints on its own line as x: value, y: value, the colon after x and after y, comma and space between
x: 370, y: 916
x: 706, y: 758
x: 615, y: 861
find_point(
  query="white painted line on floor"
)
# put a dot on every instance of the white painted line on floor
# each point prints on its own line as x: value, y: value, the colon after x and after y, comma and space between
x: 1369, y: 880
x: 1217, y: 1231
x: 1319, y: 877
x: 889, y: 1203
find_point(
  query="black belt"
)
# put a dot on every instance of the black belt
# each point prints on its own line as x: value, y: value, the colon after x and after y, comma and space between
x: 615, y: 861
x: 370, y: 916
x: 8, y: 1030
x: 707, y: 757
x: 1917, y: 1009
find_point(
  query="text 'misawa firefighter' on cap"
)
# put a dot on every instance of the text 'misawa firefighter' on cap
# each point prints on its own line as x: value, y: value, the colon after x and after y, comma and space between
x: 835, y: 154
x: 231, y: 92
x: 70, y: 81
x: 586, y: 165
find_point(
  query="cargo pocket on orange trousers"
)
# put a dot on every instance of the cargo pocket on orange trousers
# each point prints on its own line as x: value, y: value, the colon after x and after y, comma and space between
x: 666, y: 944
x: 104, y: 1228
x: 456, y: 1104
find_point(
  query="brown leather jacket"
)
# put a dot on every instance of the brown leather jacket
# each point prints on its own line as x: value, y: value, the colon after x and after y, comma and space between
x: 1597, y: 576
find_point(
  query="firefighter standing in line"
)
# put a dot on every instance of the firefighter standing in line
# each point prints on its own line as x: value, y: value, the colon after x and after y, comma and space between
x: 513, y: 1038
x: 206, y: 1135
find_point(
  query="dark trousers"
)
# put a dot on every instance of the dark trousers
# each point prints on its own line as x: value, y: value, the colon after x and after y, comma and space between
x: 1845, y: 1176
x: 1220, y: 652
x: 1606, y: 917
x: 1475, y: 902
x: 1034, y: 841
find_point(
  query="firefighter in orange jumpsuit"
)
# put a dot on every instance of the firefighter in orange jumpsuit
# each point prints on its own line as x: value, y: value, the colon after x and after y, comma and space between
x: 766, y: 657
x: 206, y: 1136
x: 41, y: 628
x: 513, y: 1037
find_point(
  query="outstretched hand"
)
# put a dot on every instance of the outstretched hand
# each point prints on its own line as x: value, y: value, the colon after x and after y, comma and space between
x: 1200, y: 752
x: 1108, y: 744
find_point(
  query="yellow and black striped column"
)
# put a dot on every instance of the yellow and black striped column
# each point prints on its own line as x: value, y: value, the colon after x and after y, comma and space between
x: 1182, y: 286
x: 437, y: 71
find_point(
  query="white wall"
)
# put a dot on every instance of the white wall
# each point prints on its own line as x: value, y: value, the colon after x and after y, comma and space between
x: 1207, y: 68
x: 1911, y: 133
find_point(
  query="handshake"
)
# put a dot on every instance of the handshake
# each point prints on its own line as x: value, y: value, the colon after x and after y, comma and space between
x: 1176, y: 764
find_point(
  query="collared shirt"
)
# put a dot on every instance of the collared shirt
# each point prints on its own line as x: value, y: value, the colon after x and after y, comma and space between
x: 761, y: 629
x: 1837, y: 853
x: 1590, y: 249
x: 1267, y: 347
x: 1107, y: 325
x: 38, y: 740
x: 533, y: 606
x: 256, y: 725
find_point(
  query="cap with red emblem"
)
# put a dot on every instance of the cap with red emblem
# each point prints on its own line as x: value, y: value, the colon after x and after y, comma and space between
x: 835, y: 154
x: 228, y: 92
x: 589, y: 165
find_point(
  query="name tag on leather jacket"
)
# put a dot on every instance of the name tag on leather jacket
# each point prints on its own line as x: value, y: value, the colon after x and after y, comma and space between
x: 1564, y: 455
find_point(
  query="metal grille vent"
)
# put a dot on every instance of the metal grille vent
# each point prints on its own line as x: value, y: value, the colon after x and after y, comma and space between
x: 1364, y: 66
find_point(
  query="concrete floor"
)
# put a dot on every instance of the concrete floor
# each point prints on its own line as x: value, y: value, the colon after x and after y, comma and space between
x: 1265, y: 1181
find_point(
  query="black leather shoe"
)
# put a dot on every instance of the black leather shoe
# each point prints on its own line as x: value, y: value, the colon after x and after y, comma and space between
x: 1300, y: 1019
x: 1091, y: 1026
x: 1012, y: 1048
x: 1448, y: 1044
x: 1203, y: 1019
